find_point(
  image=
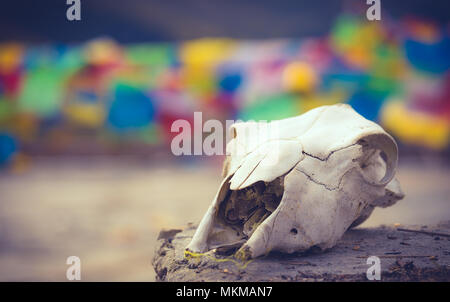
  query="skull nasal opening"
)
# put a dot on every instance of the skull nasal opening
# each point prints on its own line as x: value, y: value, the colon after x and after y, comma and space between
x: 244, y: 210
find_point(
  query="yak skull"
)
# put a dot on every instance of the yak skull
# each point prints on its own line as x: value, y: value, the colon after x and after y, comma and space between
x: 300, y: 182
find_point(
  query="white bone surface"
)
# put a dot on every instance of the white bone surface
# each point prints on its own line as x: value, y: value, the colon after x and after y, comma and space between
x: 337, y: 167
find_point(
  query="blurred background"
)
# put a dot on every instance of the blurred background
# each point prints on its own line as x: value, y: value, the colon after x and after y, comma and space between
x: 86, y: 109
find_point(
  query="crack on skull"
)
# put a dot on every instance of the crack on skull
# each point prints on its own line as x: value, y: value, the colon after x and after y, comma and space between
x: 325, y: 185
x: 331, y: 153
x: 318, y: 182
x: 361, y: 142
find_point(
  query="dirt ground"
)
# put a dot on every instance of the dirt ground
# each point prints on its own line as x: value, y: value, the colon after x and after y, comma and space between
x: 108, y: 212
x: 403, y: 256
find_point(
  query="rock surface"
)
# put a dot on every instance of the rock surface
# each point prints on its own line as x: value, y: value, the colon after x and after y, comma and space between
x: 421, y: 255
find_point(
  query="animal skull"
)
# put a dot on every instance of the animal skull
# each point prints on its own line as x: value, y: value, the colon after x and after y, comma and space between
x: 298, y: 183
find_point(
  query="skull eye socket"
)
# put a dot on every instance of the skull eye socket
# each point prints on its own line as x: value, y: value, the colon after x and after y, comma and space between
x: 384, y: 156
